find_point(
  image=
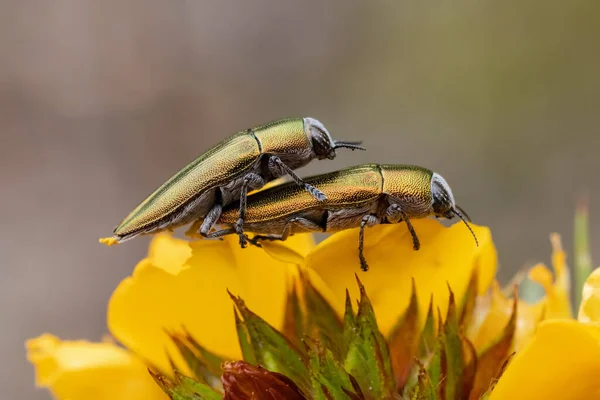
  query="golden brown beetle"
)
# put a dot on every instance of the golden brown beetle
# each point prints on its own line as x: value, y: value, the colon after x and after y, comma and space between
x: 360, y: 196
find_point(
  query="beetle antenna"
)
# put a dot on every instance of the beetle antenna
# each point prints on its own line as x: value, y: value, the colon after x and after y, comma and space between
x: 459, y: 215
x: 464, y: 213
x: 347, y: 145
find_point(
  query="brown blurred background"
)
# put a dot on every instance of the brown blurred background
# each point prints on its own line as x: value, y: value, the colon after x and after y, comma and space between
x: 101, y: 101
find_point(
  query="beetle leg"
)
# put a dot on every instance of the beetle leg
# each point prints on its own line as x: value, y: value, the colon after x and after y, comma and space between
x: 211, y: 219
x: 395, y: 214
x: 287, y: 229
x: 278, y: 166
x: 250, y: 180
x: 368, y: 220
x: 221, y: 233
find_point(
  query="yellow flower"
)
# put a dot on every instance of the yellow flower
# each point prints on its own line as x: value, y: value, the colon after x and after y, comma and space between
x: 555, y: 304
x: 562, y: 361
x: 183, y: 285
x: 84, y: 370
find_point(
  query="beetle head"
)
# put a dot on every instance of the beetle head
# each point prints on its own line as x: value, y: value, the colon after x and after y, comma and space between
x: 443, y: 204
x: 322, y: 143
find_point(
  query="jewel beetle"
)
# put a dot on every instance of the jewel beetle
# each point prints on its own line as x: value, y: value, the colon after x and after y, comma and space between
x: 227, y: 172
x: 357, y: 197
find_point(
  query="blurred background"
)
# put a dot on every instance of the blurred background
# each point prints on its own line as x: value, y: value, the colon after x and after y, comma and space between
x: 100, y: 102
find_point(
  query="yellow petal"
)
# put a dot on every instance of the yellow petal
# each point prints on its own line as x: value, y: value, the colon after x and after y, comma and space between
x: 561, y: 362
x: 589, y: 310
x: 169, y: 253
x: 497, y: 315
x: 80, y: 370
x: 557, y: 301
x: 447, y: 255
x: 169, y: 296
x: 555, y: 304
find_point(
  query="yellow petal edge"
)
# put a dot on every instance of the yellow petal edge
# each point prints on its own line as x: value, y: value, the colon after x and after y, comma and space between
x: 80, y: 370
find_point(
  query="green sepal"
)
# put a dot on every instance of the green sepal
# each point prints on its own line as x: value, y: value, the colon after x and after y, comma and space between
x: 404, y: 340
x: 428, y: 352
x: 244, y: 339
x: 424, y: 389
x: 182, y: 387
x: 433, y: 359
x: 492, y: 360
x: 429, y: 335
x: 204, y: 365
x: 349, y: 324
x: 328, y: 377
x: 468, y: 302
x: 322, y: 321
x: 269, y: 348
x: 458, y: 357
x: 212, y: 361
x: 293, y: 322
x: 368, y: 357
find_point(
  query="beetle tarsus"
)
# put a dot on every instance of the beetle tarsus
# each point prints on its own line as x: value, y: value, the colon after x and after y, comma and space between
x: 239, y: 230
x: 415, y: 238
x: 394, y: 214
x: 316, y: 193
x: 220, y: 233
x: 367, y: 220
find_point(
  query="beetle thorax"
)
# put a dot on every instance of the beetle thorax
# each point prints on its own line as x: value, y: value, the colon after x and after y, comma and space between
x: 442, y: 197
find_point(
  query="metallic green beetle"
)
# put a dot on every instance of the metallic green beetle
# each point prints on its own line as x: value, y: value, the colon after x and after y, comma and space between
x: 360, y: 196
x: 227, y: 172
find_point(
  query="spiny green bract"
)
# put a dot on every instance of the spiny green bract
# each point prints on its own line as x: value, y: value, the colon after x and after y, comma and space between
x: 321, y: 356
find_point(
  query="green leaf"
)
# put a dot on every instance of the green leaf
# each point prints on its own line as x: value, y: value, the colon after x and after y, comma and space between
x: 368, y: 358
x: 404, y: 340
x: 329, y: 379
x: 582, y: 259
x: 185, y: 388
x: 293, y: 323
x: 271, y: 349
x: 492, y: 359
x: 323, y: 322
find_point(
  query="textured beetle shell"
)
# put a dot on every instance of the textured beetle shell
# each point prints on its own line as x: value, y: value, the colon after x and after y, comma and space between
x: 344, y: 188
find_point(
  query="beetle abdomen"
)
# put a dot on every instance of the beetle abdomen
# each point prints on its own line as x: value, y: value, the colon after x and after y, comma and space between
x: 221, y: 164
